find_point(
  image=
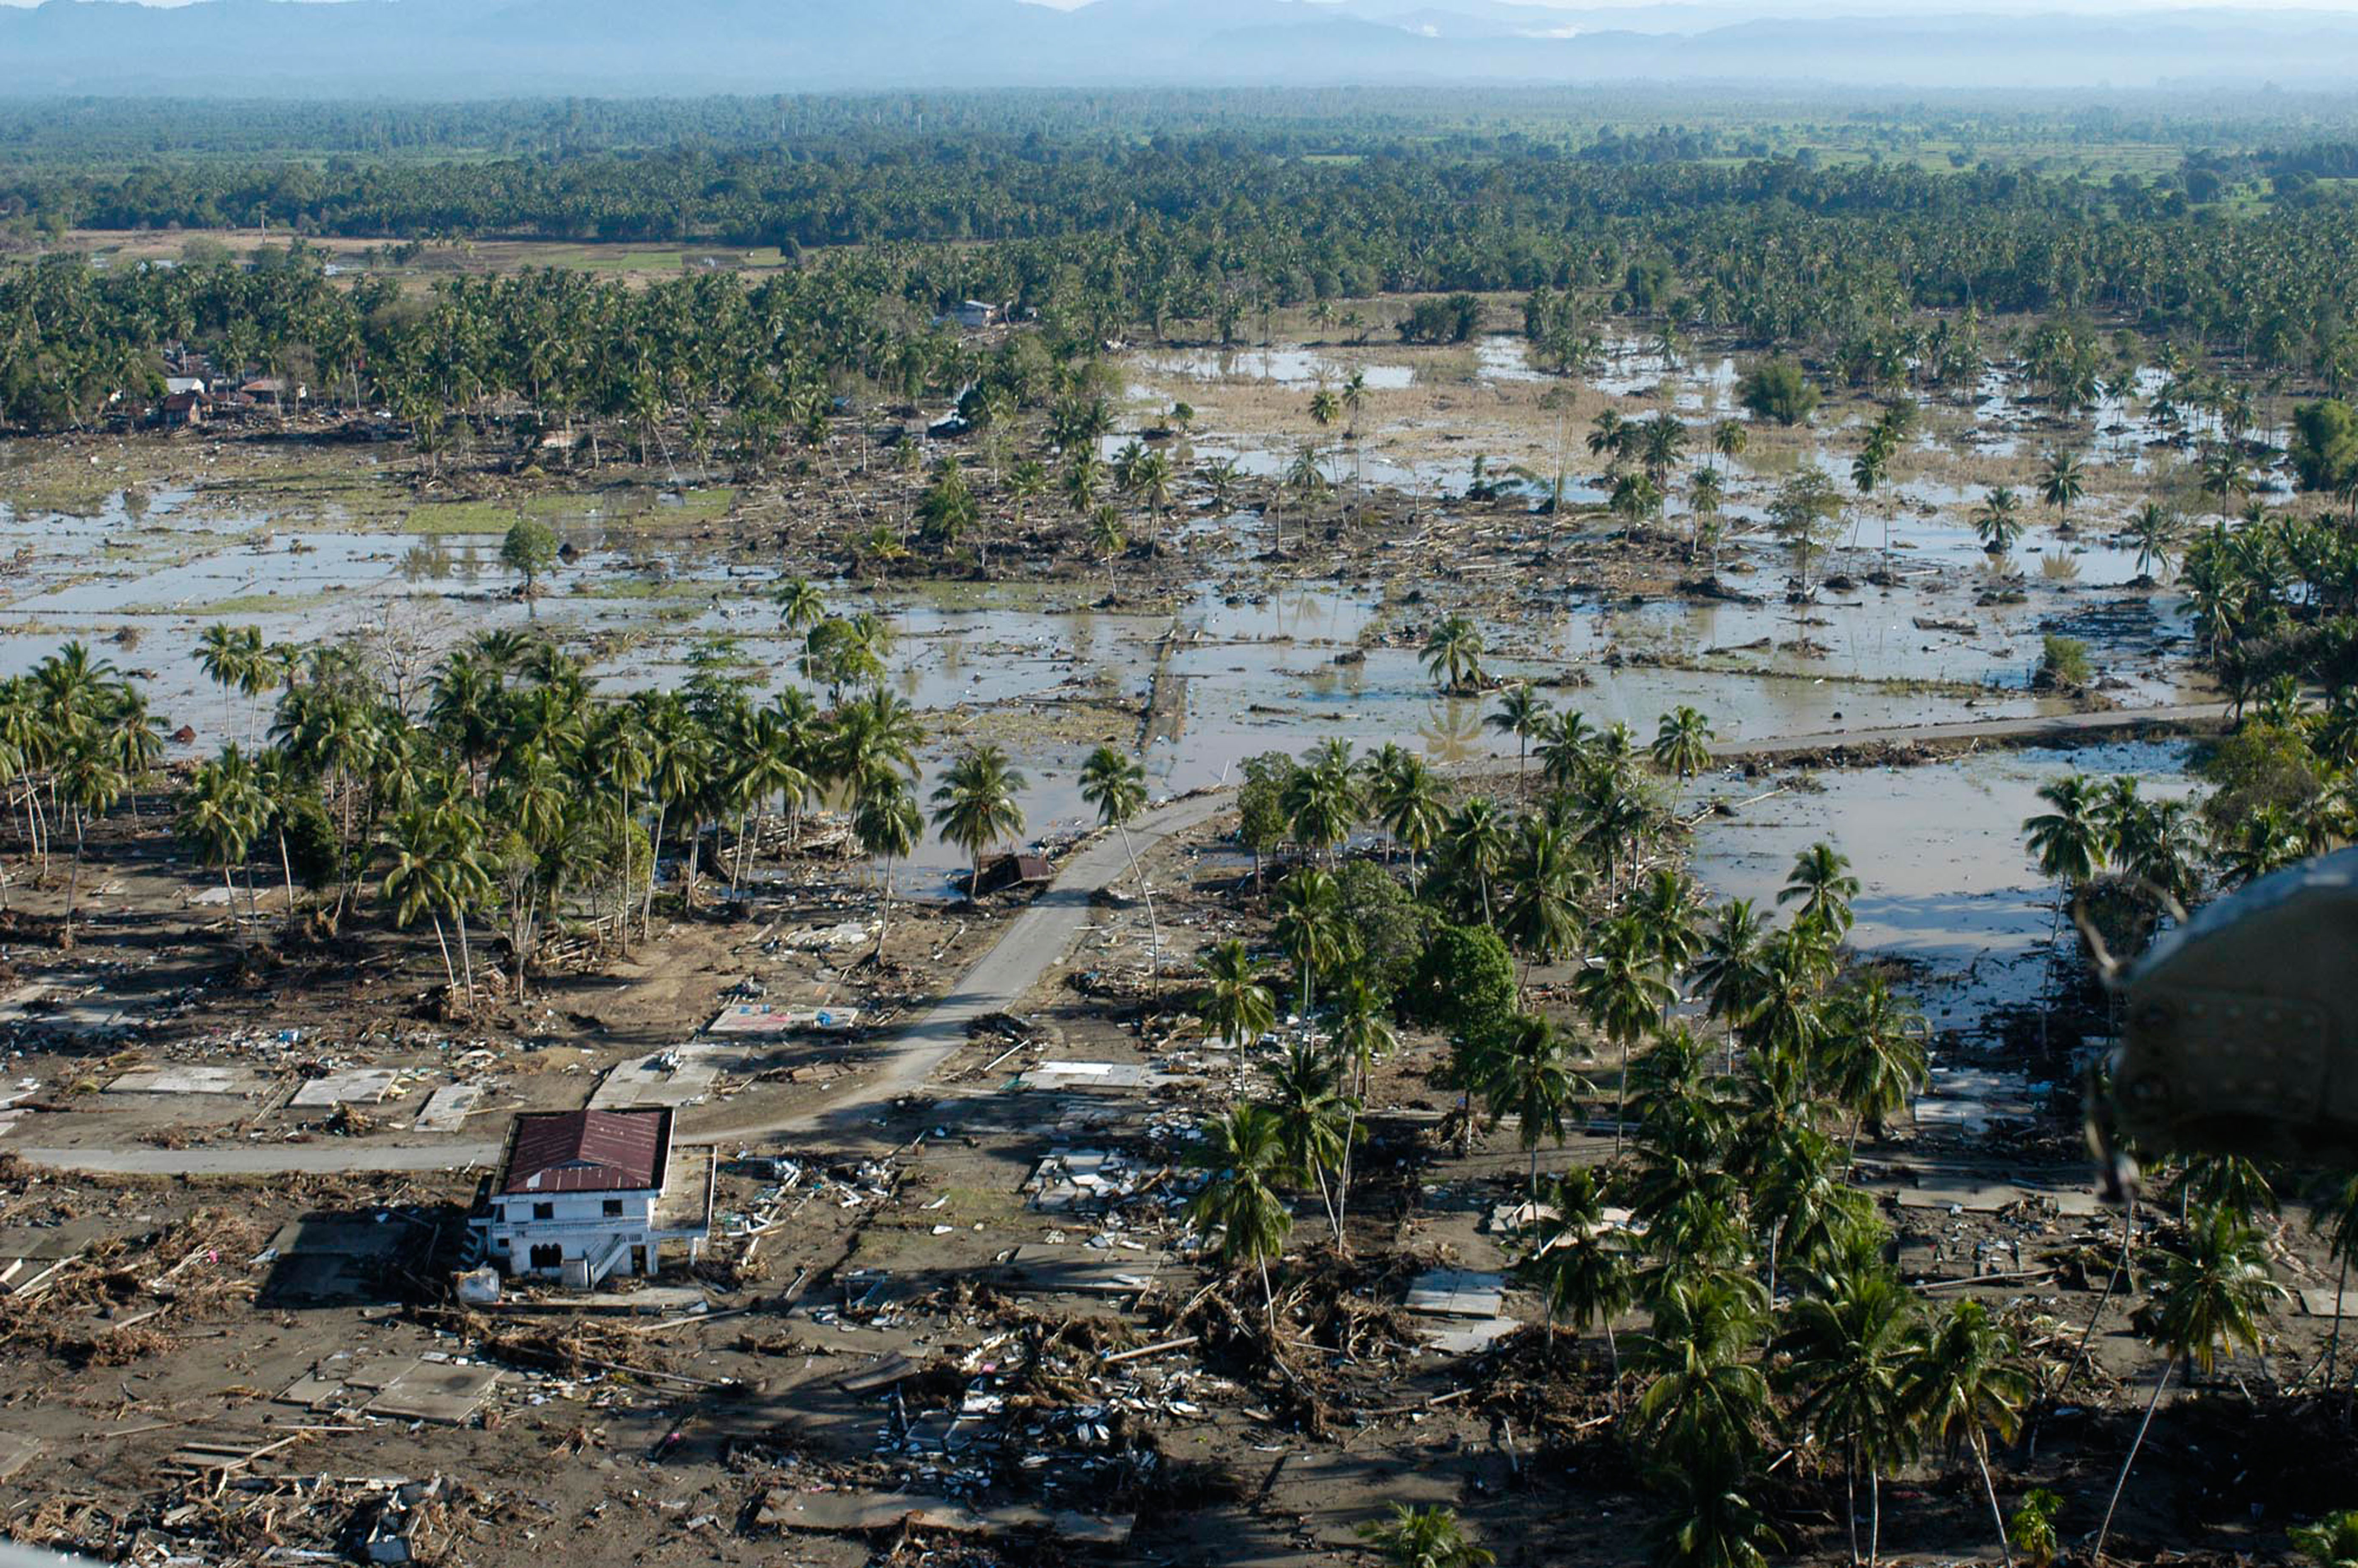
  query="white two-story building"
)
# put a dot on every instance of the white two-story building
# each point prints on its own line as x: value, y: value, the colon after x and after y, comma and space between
x: 583, y: 1195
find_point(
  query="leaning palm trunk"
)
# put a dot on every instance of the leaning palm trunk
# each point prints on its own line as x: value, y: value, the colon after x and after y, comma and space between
x: 2106, y: 1531
x: 2120, y: 1274
x: 449, y: 974
x: 1997, y: 1514
x: 230, y: 888
x: 1153, y: 927
x: 2333, y: 1340
x: 883, y: 909
x: 74, y: 884
x: 647, y: 911
x: 466, y: 956
x: 1343, y: 1175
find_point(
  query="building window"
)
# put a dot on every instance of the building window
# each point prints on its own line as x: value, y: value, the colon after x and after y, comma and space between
x: 544, y: 1211
x: 613, y: 1208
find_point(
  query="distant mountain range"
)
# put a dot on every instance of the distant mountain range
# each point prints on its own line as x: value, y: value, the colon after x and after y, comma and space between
x: 632, y: 48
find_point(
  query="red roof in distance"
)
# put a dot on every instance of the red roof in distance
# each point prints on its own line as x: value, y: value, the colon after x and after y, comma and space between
x: 587, y: 1151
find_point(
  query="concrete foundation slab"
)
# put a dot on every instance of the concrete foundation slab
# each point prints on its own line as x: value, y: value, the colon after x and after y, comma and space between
x: 189, y: 1081
x: 361, y: 1086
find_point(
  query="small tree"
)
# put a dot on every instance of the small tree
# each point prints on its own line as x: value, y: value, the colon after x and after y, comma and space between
x: 2031, y: 1531
x: 1806, y: 517
x: 529, y: 550
x: 1776, y: 389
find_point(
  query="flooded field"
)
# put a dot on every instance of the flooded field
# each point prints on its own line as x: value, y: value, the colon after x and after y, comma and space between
x: 1251, y: 656
x: 1948, y: 885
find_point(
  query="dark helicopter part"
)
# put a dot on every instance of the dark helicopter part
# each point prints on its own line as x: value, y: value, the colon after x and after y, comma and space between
x: 2242, y: 1025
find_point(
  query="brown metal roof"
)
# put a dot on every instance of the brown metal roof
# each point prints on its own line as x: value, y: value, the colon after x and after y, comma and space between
x: 587, y: 1151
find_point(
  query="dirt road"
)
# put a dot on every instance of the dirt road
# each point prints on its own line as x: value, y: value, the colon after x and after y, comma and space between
x: 1032, y: 944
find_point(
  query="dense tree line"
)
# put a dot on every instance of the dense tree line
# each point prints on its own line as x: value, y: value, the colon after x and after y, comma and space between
x: 1105, y: 244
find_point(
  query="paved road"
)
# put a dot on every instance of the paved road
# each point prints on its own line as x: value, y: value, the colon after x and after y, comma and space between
x: 2057, y: 725
x: 1033, y: 943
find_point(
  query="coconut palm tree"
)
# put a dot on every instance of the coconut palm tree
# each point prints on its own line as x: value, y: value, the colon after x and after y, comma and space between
x: 1580, y: 1265
x: 2155, y: 531
x: 1244, y: 1150
x: 1531, y: 1080
x: 887, y: 825
x: 2069, y: 841
x: 1966, y: 1384
x: 1822, y: 883
x: 1729, y: 971
x: 1706, y: 1520
x: 1235, y: 1006
x: 1872, y: 1055
x: 1452, y: 654
x: 1682, y: 743
x: 1408, y: 800
x: 1707, y: 495
x: 1540, y: 917
x: 1363, y: 1036
x: 1706, y: 1402
x: 89, y: 784
x: 1314, y: 1119
x: 1849, y: 1348
x: 1664, y: 908
x: 1522, y: 713
x: 801, y: 606
x: 975, y: 804
x: 1998, y: 520
x: 2063, y: 482
x: 1313, y: 930
x: 220, y: 815
x: 1323, y: 803
x: 1566, y: 750
x: 1115, y: 783
x: 1474, y: 844
x: 1622, y: 992
x: 2213, y: 1292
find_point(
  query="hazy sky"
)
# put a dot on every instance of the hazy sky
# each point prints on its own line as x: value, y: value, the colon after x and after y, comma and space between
x: 1720, y: 9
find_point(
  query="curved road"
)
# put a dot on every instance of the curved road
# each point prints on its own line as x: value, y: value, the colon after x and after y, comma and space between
x: 1030, y: 947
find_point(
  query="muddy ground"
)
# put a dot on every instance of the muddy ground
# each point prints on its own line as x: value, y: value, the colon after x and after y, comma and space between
x: 920, y: 1252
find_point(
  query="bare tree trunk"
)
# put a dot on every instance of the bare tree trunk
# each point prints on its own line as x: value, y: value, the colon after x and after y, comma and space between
x: 1153, y: 927
x: 448, y: 973
x: 1997, y: 1514
x: 655, y: 861
x: 2119, y: 1275
x: 2160, y: 1383
x: 2333, y: 1341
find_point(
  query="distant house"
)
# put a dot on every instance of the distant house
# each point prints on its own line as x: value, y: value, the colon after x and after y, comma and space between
x: 974, y: 315
x: 181, y: 410
x: 584, y: 1195
x: 271, y: 389
x: 176, y: 384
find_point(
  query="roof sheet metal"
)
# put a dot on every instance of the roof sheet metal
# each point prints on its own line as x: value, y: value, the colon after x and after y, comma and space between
x: 587, y: 1151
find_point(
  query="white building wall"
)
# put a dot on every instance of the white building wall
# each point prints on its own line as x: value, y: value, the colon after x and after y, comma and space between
x: 578, y: 1224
